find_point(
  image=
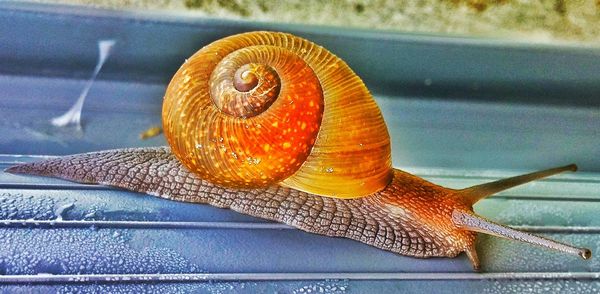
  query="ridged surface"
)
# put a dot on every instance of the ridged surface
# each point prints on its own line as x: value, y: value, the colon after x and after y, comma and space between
x: 351, y: 152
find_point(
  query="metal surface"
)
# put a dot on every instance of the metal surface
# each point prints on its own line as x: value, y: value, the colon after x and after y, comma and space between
x: 460, y: 112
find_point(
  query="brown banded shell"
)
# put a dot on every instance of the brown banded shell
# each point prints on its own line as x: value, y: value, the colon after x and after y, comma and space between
x: 260, y: 108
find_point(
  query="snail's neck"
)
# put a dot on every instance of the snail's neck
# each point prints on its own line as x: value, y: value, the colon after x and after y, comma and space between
x: 427, y: 203
x: 414, y: 190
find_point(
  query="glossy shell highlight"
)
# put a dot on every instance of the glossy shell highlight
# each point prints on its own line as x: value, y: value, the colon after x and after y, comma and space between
x: 295, y: 115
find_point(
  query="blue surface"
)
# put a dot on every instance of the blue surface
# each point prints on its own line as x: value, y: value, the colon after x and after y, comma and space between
x: 492, y: 110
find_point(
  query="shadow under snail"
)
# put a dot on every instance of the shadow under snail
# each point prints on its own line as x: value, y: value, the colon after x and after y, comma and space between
x: 274, y: 126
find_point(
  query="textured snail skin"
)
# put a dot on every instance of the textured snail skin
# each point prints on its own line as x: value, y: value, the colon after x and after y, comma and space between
x: 410, y: 216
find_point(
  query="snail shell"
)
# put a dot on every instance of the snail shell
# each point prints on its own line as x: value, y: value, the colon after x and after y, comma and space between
x: 261, y: 108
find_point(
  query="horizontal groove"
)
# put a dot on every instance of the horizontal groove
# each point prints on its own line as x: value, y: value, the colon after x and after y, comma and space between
x: 203, y: 277
x: 559, y: 229
x: 73, y: 185
x: 4, y: 165
x: 58, y: 186
x: 2, y: 155
x: 11, y: 159
x: 443, y: 174
x: 140, y: 224
x: 89, y: 187
x: 522, y: 197
x: 228, y: 225
x: 570, y: 179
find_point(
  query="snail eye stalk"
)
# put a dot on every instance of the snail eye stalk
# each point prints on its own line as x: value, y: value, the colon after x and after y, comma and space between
x: 478, y: 192
x: 475, y: 223
x: 472, y: 222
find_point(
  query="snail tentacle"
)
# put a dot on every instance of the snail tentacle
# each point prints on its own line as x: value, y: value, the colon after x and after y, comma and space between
x: 475, y: 193
x: 475, y: 223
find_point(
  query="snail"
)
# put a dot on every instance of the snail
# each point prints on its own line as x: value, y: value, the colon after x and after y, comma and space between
x: 274, y: 126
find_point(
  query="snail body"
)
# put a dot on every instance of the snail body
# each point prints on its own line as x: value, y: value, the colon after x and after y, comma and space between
x: 274, y: 126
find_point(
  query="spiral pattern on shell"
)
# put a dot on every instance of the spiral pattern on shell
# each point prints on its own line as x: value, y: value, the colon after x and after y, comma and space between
x: 261, y: 108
